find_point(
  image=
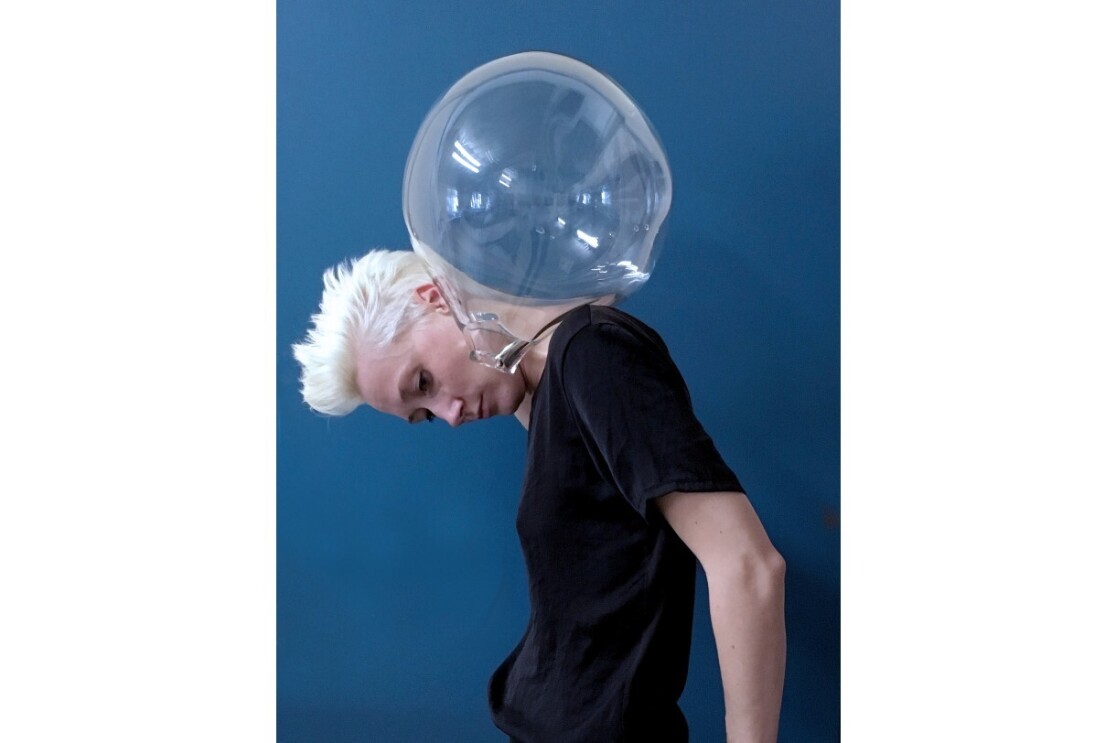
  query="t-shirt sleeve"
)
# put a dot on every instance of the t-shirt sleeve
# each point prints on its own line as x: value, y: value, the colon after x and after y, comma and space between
x: 634, y: 412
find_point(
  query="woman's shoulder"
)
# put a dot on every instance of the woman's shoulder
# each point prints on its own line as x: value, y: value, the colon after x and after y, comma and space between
x: 601, y: 330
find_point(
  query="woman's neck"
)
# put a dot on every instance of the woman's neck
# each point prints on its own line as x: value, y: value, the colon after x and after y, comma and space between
x: 531, y: 368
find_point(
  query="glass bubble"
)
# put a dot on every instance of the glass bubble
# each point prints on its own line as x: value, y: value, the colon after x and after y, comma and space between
x: 535, y: 185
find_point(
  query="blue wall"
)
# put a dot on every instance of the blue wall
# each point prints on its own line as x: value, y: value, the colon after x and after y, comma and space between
x: 400, y: 582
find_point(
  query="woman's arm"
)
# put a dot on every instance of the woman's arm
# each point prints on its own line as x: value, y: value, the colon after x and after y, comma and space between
x: 745, y: 576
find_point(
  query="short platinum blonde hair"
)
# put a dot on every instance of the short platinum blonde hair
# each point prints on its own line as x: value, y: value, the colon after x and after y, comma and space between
x: 366, y: 303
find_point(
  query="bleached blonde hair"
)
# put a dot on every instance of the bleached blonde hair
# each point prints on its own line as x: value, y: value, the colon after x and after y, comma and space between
x: 366, y: 303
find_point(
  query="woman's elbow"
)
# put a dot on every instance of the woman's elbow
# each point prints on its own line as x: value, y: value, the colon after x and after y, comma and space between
x: 767, y: 570
x: 758, y: 572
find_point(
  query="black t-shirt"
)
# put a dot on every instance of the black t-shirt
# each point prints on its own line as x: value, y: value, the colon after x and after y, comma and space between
x: 606, y: 651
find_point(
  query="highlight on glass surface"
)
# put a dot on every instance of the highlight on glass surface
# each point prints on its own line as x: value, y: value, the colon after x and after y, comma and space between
x: 535, y: 185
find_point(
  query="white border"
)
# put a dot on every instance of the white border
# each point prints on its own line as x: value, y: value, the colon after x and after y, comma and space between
x: 977, y: 371
x: 137, y: 522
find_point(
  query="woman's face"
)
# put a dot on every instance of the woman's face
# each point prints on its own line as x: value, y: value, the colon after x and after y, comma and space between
x: 426, y: 373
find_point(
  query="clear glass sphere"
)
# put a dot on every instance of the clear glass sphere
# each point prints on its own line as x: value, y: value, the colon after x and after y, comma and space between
x: 535, y: 184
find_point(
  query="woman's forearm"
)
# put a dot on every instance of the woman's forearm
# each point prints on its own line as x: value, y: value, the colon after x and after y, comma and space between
x: 746, y: 608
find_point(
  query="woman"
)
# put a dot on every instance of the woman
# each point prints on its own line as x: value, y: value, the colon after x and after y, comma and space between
x: 623, y: 489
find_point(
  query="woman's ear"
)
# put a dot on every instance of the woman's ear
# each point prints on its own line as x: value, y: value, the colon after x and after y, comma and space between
x: 430, y: 296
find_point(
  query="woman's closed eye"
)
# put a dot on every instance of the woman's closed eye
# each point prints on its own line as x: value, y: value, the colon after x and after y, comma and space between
x: 424, y: 385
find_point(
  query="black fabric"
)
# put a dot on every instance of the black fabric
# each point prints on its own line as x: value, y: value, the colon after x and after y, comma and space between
x: 607, y: 645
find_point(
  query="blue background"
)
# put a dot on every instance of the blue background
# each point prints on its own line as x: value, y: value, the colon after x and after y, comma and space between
x: 400, y: 581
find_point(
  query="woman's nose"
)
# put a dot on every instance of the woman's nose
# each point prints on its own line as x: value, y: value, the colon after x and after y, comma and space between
x: 452, y: 411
